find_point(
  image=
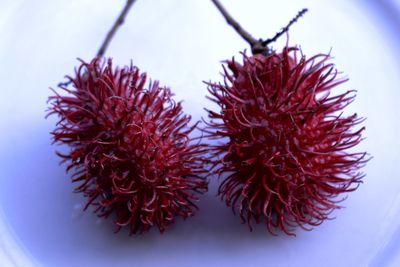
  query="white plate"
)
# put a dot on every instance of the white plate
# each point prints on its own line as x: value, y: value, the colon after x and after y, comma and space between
x: 181, y: 43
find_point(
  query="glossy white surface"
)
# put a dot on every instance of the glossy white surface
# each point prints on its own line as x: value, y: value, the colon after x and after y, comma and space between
x: 181, y: 43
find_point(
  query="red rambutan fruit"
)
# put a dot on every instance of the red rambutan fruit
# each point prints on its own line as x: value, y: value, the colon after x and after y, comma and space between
x: 285, y: 145
x: 130, y: 147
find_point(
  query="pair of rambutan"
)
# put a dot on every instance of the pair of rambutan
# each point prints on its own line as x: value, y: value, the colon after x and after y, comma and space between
x: 283, y: 150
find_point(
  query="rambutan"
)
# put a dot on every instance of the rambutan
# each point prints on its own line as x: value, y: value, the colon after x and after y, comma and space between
x: 285, y: 141
x: 130, y: 147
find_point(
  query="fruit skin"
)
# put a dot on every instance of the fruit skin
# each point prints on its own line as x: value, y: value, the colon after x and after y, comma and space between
x: 130, y: 149
x: 283, y: 139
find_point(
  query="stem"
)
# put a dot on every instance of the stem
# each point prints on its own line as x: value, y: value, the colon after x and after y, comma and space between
x: 285, y: 29
x: 231, y: 21
x: 118, y: 23
x: 120, y: 20
x: 259, y: 46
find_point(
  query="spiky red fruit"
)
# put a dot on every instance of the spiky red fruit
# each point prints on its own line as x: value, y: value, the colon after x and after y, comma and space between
x: 130, y: 149
x: 285, y: 139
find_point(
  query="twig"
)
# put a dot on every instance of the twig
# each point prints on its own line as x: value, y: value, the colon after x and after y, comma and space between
x: 285, y: 29
x: 231, y: 21
x: 120, y: 20
x: 259, y: 46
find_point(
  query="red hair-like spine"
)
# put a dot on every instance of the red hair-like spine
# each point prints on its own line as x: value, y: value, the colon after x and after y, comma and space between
x: 283, y: 139
x: 131, y: 150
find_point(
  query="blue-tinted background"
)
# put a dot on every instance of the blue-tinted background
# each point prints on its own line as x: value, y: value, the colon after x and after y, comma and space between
x: 181, y: 43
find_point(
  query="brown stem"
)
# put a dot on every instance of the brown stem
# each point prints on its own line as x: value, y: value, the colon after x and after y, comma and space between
x: 259, y: 46
x: 231, y: 21
x: 285, y: 29
x: 120, y: 20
